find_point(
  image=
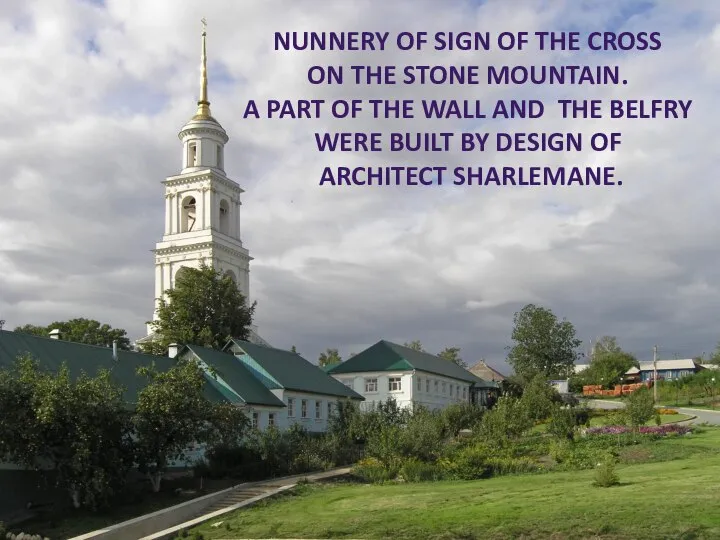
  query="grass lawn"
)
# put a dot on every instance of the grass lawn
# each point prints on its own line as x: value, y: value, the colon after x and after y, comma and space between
x: 672, y: 498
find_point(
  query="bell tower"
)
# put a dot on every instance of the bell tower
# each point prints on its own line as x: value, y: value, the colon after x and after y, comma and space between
x: 202, y: 205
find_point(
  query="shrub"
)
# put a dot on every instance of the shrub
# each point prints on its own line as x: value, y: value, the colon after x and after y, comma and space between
x: 667, y: 411
x: 424, y: 436
x: 639, y: 407
x: 500, y: 465
x: 562, y: 423
x: 375, y: 471
x: 459, y: 416
x: 605, y: 475
x: 414, y: 470
x: 539, y: 398
x: 509, y: 419
x: 578, y: 456
x: 469, y: 463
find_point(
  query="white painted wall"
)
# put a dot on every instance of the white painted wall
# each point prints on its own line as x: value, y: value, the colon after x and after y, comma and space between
x: 427, y: 389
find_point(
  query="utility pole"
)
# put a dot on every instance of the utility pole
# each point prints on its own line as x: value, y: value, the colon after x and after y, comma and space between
x: 655, y: 374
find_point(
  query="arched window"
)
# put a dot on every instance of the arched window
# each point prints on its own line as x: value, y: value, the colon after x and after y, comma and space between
x: 224, y: 217
x: 182, y: 271
x: 231, y: 275
x: 192, y: 155
x: 189, y: 213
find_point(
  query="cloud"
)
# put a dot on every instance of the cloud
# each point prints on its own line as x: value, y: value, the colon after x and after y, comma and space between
x: 95, y: 93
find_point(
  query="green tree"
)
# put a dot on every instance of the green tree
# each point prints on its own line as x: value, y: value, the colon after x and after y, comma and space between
x: 415, y: 346
x: 542, y: 344
x: 80, y: 330
x: 329, y: 358
x: 79, y: 426
x: 452, y: 354
x: 639, y: 407
x: 608, y: 364
x: 172, y: 412
x: 205, y: 308
x: 715, y: 356
x: 539, y: 398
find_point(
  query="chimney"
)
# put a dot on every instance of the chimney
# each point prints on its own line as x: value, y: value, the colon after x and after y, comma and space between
x: 55, y: 334
x: 115, y: 354
x: 173, y: 350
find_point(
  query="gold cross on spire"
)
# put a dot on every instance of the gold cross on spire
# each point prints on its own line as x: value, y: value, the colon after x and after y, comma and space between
x: 203, y: 110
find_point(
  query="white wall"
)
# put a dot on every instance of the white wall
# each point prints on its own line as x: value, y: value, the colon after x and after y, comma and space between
x: 438, y: 396
x: 283, y: 417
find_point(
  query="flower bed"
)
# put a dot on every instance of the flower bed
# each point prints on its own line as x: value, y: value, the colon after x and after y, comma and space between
x: 645, y: 430
x: 667, y: 411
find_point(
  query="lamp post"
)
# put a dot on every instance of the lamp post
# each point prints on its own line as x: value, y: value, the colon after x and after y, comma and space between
x: 712, y: 393
x: 655, y: 374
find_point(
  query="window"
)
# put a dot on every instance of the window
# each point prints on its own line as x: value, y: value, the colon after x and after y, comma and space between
x: 394, y: 384
x: 224, y: 217
x: 189, y: 213
x: 318, y: 410
x: 427, y: 385
x: 271, y: 419
x: 219, y: 157
x: 329, y: 409
x: 348, y: 383
x: 303, y: 408
x: 371, y: 385
x: 192, y: 155
x: 291, y: 407
x: 419, y: 384
x: 457, y: 390
x: 255, y: 418
x: 436, y: 387
x: 444, y: 387
x: 464, y: 392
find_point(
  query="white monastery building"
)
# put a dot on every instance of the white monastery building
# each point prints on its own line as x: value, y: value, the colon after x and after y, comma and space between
x: 387, y: 370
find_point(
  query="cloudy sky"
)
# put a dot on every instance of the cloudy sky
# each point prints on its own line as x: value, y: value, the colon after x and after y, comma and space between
x: 94, y: 93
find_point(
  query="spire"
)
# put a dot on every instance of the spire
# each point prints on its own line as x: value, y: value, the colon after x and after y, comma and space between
x: 203, y: 110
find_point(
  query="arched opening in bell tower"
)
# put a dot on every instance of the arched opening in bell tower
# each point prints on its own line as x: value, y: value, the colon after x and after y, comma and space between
x: 231, y: 275
x: 224, y: 218
x: 189, y: 214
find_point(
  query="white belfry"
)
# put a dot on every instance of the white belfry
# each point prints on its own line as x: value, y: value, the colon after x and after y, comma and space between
x: 202, y: 206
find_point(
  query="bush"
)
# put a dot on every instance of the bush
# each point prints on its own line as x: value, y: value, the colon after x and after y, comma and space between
x: 539, y: 398
x: 375, y: 471
x: 509, y: 419
x: 500, y: 465
x: 562, y: 423
x: 459, y: 416
x: 639, y: 407
x: 667, y: 411
x: 469, y: 463
x: 414, y: 470
x: 605, y: 475
x: 578, y: 456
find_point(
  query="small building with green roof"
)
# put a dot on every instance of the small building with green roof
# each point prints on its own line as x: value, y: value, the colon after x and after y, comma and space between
x: 411, y: 377
x: 279, y: 387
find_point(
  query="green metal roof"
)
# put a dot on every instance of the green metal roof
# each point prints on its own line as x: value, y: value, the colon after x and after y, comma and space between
x: 387, y: 356
x: 291, y: 371
x: 51, y: 353
x: 328, y: 367
x: 237, y: 376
